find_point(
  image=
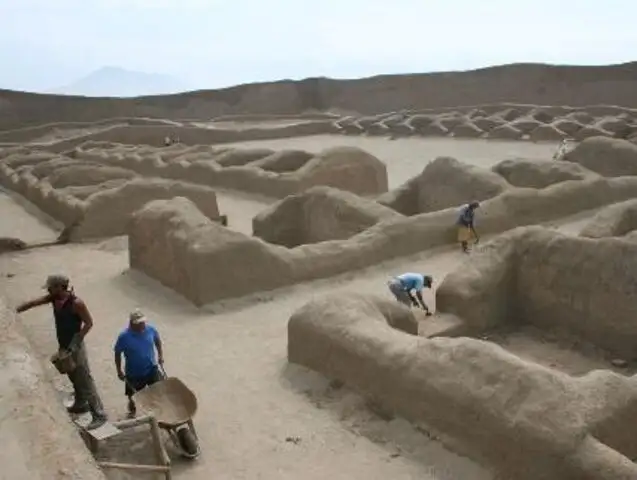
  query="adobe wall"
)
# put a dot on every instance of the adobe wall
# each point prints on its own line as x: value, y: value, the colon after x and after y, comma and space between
x: 557, y: 282
x: 318, y: 214
x: 107, y: 213
x: 154, y: 135
x: 348, y: 168
x: 104, y: 208
x: 39, y: 441
x: 529, y: 422
x: 206, y: 248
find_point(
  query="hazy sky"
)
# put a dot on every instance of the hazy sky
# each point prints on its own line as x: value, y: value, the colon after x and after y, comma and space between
x: 212, y: 43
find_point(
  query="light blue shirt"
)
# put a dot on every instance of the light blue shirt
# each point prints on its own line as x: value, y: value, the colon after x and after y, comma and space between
x: 412, y: 281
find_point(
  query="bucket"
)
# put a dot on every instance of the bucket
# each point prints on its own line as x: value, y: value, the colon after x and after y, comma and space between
x: 63, y: 361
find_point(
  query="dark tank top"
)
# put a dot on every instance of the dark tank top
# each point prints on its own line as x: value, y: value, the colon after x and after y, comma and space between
x: 67, y: 322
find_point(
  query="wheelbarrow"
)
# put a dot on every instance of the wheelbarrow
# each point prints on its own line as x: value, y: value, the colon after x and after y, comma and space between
x: 173, y: 405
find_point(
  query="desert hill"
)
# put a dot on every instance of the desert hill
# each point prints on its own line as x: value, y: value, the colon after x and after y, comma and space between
x: 120, y: 82
x: 518, y: 83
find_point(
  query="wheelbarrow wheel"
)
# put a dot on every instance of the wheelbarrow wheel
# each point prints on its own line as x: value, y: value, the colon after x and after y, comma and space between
x: 188, y: 442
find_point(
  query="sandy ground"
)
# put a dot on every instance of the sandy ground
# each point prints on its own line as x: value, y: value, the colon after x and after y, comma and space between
x: 233, y: 354
x: 407, y: 157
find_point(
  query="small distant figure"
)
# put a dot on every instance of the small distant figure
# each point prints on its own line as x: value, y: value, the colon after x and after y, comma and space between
x: 408, y: 287
x: 223, y: 220
x: 137, y: 343
x: 167, y: 141
x: 562, y: 149
x: 466, y: 229
x: 72, y: 323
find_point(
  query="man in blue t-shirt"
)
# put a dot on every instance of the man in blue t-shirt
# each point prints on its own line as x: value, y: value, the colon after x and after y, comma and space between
x: 407, y: 288
x: 138, y: 343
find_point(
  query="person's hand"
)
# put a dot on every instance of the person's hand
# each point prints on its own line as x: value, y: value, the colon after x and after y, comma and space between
x: 121, y: 375
x: 75, y: 343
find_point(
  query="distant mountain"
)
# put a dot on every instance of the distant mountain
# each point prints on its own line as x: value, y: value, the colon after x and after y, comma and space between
x: 118, y: 82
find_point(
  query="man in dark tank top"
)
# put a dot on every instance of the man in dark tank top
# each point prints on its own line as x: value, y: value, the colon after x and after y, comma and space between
x: 72, y: 322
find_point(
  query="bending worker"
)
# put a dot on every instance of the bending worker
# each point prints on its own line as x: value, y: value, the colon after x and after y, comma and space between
x: 407, y: 288
x: 138, y: 343
x: 466, y: 229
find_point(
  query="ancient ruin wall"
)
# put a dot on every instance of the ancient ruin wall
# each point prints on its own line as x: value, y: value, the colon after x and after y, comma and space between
x: 616, y: 220
x: 104, y: 209
x: 211, y: 248
x: 39, y: 439
x: 347, y: 168
x: 529, y: 422
x: 316, y: 215
x: 576, y: 285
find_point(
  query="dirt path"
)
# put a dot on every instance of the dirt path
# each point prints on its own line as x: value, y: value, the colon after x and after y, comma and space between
x: 251, y: 400
x: 22, y: 223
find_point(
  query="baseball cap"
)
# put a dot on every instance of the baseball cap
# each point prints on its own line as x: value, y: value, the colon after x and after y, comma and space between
x: 136, y: 317
x: 56, y: 280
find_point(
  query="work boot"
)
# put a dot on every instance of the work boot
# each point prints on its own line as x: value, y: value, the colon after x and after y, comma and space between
x: 96, y: 422
x: 78, y: 409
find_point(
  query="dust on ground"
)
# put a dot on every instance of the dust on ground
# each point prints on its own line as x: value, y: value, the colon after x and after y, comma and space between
x: 259, y: 417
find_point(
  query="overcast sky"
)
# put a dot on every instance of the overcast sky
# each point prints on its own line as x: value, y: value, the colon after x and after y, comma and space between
x: 213, y: 43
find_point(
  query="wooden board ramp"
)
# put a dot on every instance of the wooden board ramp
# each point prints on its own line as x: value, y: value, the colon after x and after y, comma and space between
x: 92, y: 438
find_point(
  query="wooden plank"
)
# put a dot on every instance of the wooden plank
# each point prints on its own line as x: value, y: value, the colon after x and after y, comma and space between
x: 107, y: 430
x: 133, y: 422
x: 130, y: 466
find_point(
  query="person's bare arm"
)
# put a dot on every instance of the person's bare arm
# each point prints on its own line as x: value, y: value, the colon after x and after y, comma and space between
x: 118, y: 365
x: 160, y: 348
x: 85, y: 315
x: 37, y: 302
x: 422, y: 302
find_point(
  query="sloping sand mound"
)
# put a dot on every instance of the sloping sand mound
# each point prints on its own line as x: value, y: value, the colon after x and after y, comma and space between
x: 546, y: 133
x: 540, y: 173
x: 241, y: 156
x: 569, y: 127
x: 528, y: 422
x: 419, y: 122
x: 451, y: 121
x: 467, y: 130
x: 316, y: 215
x: 283, y: 161
x: 505, y: 132
x: 446, y: 182
x: 434, y: 129
x: 591, y: 131
x: 541, y: 115
x: 606, y: 156
x: 613, y: 221
x: 616, y: 126
x: 347, y: 168
x: 39, y: 440
x: 487, y: 124
x: 525, y: 124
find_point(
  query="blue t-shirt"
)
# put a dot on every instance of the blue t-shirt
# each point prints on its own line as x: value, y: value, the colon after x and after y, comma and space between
x: 412, y: 281
x: 139, y: 351
x: 466, y: 216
